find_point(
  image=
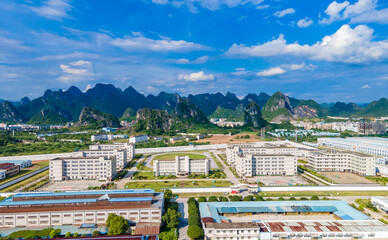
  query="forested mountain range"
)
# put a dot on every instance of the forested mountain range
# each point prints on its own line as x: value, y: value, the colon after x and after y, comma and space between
x: 66, y: 106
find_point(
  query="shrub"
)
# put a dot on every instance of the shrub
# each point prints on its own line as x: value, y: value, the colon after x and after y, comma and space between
x: 248, y: 198
x: 292, y: 199
x: 281, y: 199
x: 202, y: 199
x: 95, y: 233
x: 303, y: 199
x: 68, y: 234
x: 194, y: 220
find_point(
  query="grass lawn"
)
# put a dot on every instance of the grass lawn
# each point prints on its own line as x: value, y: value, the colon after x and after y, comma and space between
x: 20, y: 174
x: 172, y: 184
x: 171, y: 156
x: 38, y: 165
x: 25, y: 182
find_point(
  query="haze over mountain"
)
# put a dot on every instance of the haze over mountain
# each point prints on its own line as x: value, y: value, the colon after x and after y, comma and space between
x: 64, y: 106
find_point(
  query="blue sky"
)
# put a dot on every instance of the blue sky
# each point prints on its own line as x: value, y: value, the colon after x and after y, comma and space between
x: 323, y: 50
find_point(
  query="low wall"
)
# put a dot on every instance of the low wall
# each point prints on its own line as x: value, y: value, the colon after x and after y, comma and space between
x: 38, y: 157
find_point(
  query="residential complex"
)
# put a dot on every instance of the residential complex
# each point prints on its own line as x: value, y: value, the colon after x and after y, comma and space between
x: 119, y: 154
x: 287, y: 220
x: 368, y: 128
x: 97, y: 168
x: 342, y: 161
x: 368, y: 145
x: 358, y: 127
x: 181, y: 166
x: 129, y: 147
x: 85, y: 207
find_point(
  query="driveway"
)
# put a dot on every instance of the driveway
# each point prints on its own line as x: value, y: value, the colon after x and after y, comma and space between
x: 184, y: 220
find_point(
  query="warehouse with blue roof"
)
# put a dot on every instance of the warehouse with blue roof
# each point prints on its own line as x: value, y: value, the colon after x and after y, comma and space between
x: 287, y: 220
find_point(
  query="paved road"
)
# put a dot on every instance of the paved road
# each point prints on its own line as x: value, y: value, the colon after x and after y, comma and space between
x: 127, y: 177
x: 10, y: 183
x: 184, y: 220
x: 229, y: 175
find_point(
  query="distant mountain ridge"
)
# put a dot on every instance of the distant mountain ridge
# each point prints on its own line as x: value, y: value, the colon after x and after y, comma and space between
x: 57, y: 107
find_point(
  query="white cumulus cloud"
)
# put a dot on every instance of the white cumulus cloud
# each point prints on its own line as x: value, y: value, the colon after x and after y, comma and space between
x: 284, y: 12
x: 134, y: 43
x: 365, y: 86
x: 346, y: 45
x: 305, y: 22
x: 271, y: 72
x: 362, y: 11
x: 76, y: 71
x: 196, y: 77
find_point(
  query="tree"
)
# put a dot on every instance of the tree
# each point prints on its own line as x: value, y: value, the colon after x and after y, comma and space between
x: 95, y: 233
x: 68, y: 234
x: 171, y: 218
x: 314, y: 198
x: 202, y: 199
x: 168, y: 235
x: 281, y: 199
x: 212, y: 199
x: 195, y: 232
x: 75, y: 234
x: 168, y: 193
x: 223, y: 199
x: 303, y: 199
x: 117, y: 224
x: 191, y: 201
x: 292, y: 199
x: 194, y: 220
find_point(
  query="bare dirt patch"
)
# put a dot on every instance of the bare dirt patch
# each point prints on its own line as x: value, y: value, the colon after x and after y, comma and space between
x: 345, y: 178
x: 238, y: 138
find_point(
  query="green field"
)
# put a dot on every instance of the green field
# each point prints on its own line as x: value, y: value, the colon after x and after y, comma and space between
x: 171, y: 156
x: 324, y: 193
x: 25, y: 182
x: 177, y: 184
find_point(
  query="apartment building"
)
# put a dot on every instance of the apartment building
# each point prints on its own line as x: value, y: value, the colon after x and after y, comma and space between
x: 97, y: 168
x: 181, y: 166
x: 84, y: 207
x: 368, y: 145
x: 249, y: 165
x: 129, y: 147
x: 119, y: 154
x: 10, y: 168
x: 21, y: 163
x: 342, y: 161
x: 106, y: 137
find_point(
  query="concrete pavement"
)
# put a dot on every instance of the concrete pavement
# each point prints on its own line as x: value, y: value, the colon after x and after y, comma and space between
x: 184, y: 220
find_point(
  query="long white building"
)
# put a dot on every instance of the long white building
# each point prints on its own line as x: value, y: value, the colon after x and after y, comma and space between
x: 342, y: 161
x: 181, y: 166
x: 119, y: 154
x: 96, y: 168
x: 75, y: 208
x: 368, y: 145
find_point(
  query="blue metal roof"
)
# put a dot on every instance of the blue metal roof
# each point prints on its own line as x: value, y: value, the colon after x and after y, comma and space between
x: 10, y: 202
x: 43, y: 194
x: 339, y: 208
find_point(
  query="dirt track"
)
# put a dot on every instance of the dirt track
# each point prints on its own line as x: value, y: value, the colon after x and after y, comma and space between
x: 222, y: 139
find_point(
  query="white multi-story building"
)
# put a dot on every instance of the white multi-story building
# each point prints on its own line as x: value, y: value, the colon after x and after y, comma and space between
x: 249, y: 165
x: 119, y: 154
x: 97, y: 168
x: 181, y: 166
x: 129, y: 147
x: 368, y: 145
x: 139, y: 138
x: 21, y: 163
x: 265, y: 159
x: 342, y: 161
